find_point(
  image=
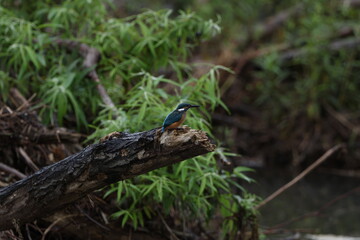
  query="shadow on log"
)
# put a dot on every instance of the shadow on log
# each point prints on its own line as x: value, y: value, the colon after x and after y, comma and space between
x: 117, y: 157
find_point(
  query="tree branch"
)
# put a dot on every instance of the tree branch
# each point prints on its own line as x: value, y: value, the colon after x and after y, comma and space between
x: 347, y: 43
x: 11, y: 170
x: 119, y: 157
x: 325, y: 156
x: 276, y: 21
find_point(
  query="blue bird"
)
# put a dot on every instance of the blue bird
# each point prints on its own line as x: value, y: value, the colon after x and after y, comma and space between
x: 176, y: 117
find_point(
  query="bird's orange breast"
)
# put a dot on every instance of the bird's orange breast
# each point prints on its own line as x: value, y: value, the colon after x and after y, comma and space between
x: 177, y: 124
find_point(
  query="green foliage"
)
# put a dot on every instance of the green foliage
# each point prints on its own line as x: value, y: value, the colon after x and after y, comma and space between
x: 308, y: 84
x: 195, y: 188
x: 5, y: 82
x: 18, y: 52
x: 58, y: 93
x: 319, y: 78
x: 151, y: 40
x: 135, y: 45
x: 135, y: 50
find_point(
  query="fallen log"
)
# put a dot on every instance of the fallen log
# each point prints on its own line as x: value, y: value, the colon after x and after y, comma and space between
x: 117, y: 157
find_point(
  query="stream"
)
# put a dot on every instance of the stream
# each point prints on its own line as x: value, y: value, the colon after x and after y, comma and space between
x: 321, y: 203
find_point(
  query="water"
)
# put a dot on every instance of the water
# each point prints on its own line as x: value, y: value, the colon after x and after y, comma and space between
x: 319, y: 204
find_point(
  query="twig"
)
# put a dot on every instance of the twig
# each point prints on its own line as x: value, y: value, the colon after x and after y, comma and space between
x: 28, y: 232
x: 18, y: 99
x: 26, y: 105
x: 48, y: 229
x: 9, y: 234
x: 188, y: 235
x: 12, y: 171
x: 17, y: 228
x: 9, y: 109
x: 91, y: 57
x: 104, y: 217
x: 35, y: 227
x: 325, y: 156
x: 343, y: 120
x: 91, y: 219
x: 167, y: 226
x: 28, y: 160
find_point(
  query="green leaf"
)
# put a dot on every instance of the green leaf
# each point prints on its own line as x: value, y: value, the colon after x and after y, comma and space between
x: 119, y: 190
x: 108, y: 192
x: 148, y: 189
x: 202, y: 185
x: 32, y: 56
x: 159, y: 187
x: 125, y: 218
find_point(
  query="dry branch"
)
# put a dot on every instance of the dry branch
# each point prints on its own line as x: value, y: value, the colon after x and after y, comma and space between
x: 325, y: 156
x: 347, y: 43
x: 286, y: 55
x: 351, y: 3
x: 11, y: 170
x: 24, y: 127
x: 119, y: 157
x: 276, y: 21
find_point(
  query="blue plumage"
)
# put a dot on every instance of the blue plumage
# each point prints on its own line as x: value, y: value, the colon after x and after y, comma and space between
x: 176, y: 117
x: 173, y: 117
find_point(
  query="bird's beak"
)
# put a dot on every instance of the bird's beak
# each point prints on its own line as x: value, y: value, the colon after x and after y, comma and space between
x: 194, y: 106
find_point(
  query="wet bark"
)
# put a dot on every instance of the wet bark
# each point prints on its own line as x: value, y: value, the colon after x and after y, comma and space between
x: 118, y: 157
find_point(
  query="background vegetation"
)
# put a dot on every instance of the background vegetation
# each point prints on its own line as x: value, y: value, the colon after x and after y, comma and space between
x: 134, y: 50
x: 287, y: 71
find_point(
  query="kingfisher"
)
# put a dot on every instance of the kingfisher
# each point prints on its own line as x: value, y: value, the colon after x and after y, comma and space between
x: 176, y: 117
